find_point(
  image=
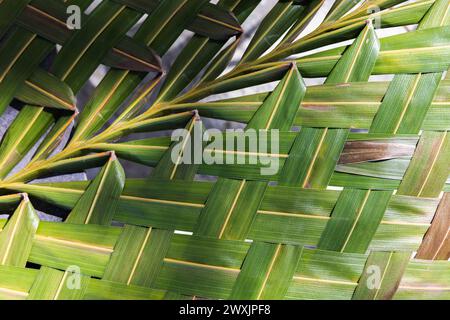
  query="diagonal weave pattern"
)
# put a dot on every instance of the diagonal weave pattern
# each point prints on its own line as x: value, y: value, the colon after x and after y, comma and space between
x: 341, y: 218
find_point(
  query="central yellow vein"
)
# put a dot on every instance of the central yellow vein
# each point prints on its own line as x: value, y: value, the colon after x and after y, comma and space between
x: 324, y: 58
x: 99, y: 190
x: 408, y: 101
x: 347, y: 283
x: 401, y: 223
x: 168, y: 85
x: 187, y: 138
x: 17, y: 56
x: 49, y: 94
x: 10, y: 196
x: 360, y: 210
x: 300, y: 25
x: 62, y: 162
x: 278, y: 101
x: 337, y: 103
x: 136, y: 101
x: 294, y: 215
x: 433, y: 162
x: 311, y: 216
x: 444, y: 239
x: 43, y: 188
x: 409, y: 50
x: 382, y: 277
x: 24, y: 132
x: 124, y: 146
x: 269, y: 28
x: 235, y: 200
x: 148, y: 64
x: 254, y: 73
x: 201, y: 265
x: 97, y: 111
x: 57, y: 136
x: 356, y: 55
x: 14, y: 230
x: 425, y: 4
x: 172, y: 202
x: 202, y: 16
x: 248, y: 153
x: 163, y: 25
x: 222, y: 59
x: 218, y: 103
x: 430, y: 288
x: 61, y: 284
x: 350, y: 24
x: 269, y: 271
x: 86, y: 48
x: 45, y: 14
x: 75, y: 244
x: 138, y: 258
x: 14, y: 292
x: 314, y: 159
x: 444, y: 16
x: 336, y: 9
x: 233, y: 6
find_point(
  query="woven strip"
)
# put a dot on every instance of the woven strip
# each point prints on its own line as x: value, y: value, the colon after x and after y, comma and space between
x: 298, y: 239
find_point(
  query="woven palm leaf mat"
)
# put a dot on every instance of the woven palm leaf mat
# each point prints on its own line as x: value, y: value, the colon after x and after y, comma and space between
x: 350, y: 214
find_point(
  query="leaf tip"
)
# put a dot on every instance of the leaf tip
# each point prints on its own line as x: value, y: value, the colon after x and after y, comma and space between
x: 196, y: 115
x: 25, y: 197
x: 112, y: 156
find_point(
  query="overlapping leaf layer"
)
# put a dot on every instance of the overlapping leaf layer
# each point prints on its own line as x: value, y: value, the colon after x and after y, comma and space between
x: 359, y: 209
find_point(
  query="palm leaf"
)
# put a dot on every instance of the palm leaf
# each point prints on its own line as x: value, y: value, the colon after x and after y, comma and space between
x: 363, y: 179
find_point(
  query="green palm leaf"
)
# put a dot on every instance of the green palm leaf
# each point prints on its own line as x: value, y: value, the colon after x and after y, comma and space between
x: 363, y: 177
